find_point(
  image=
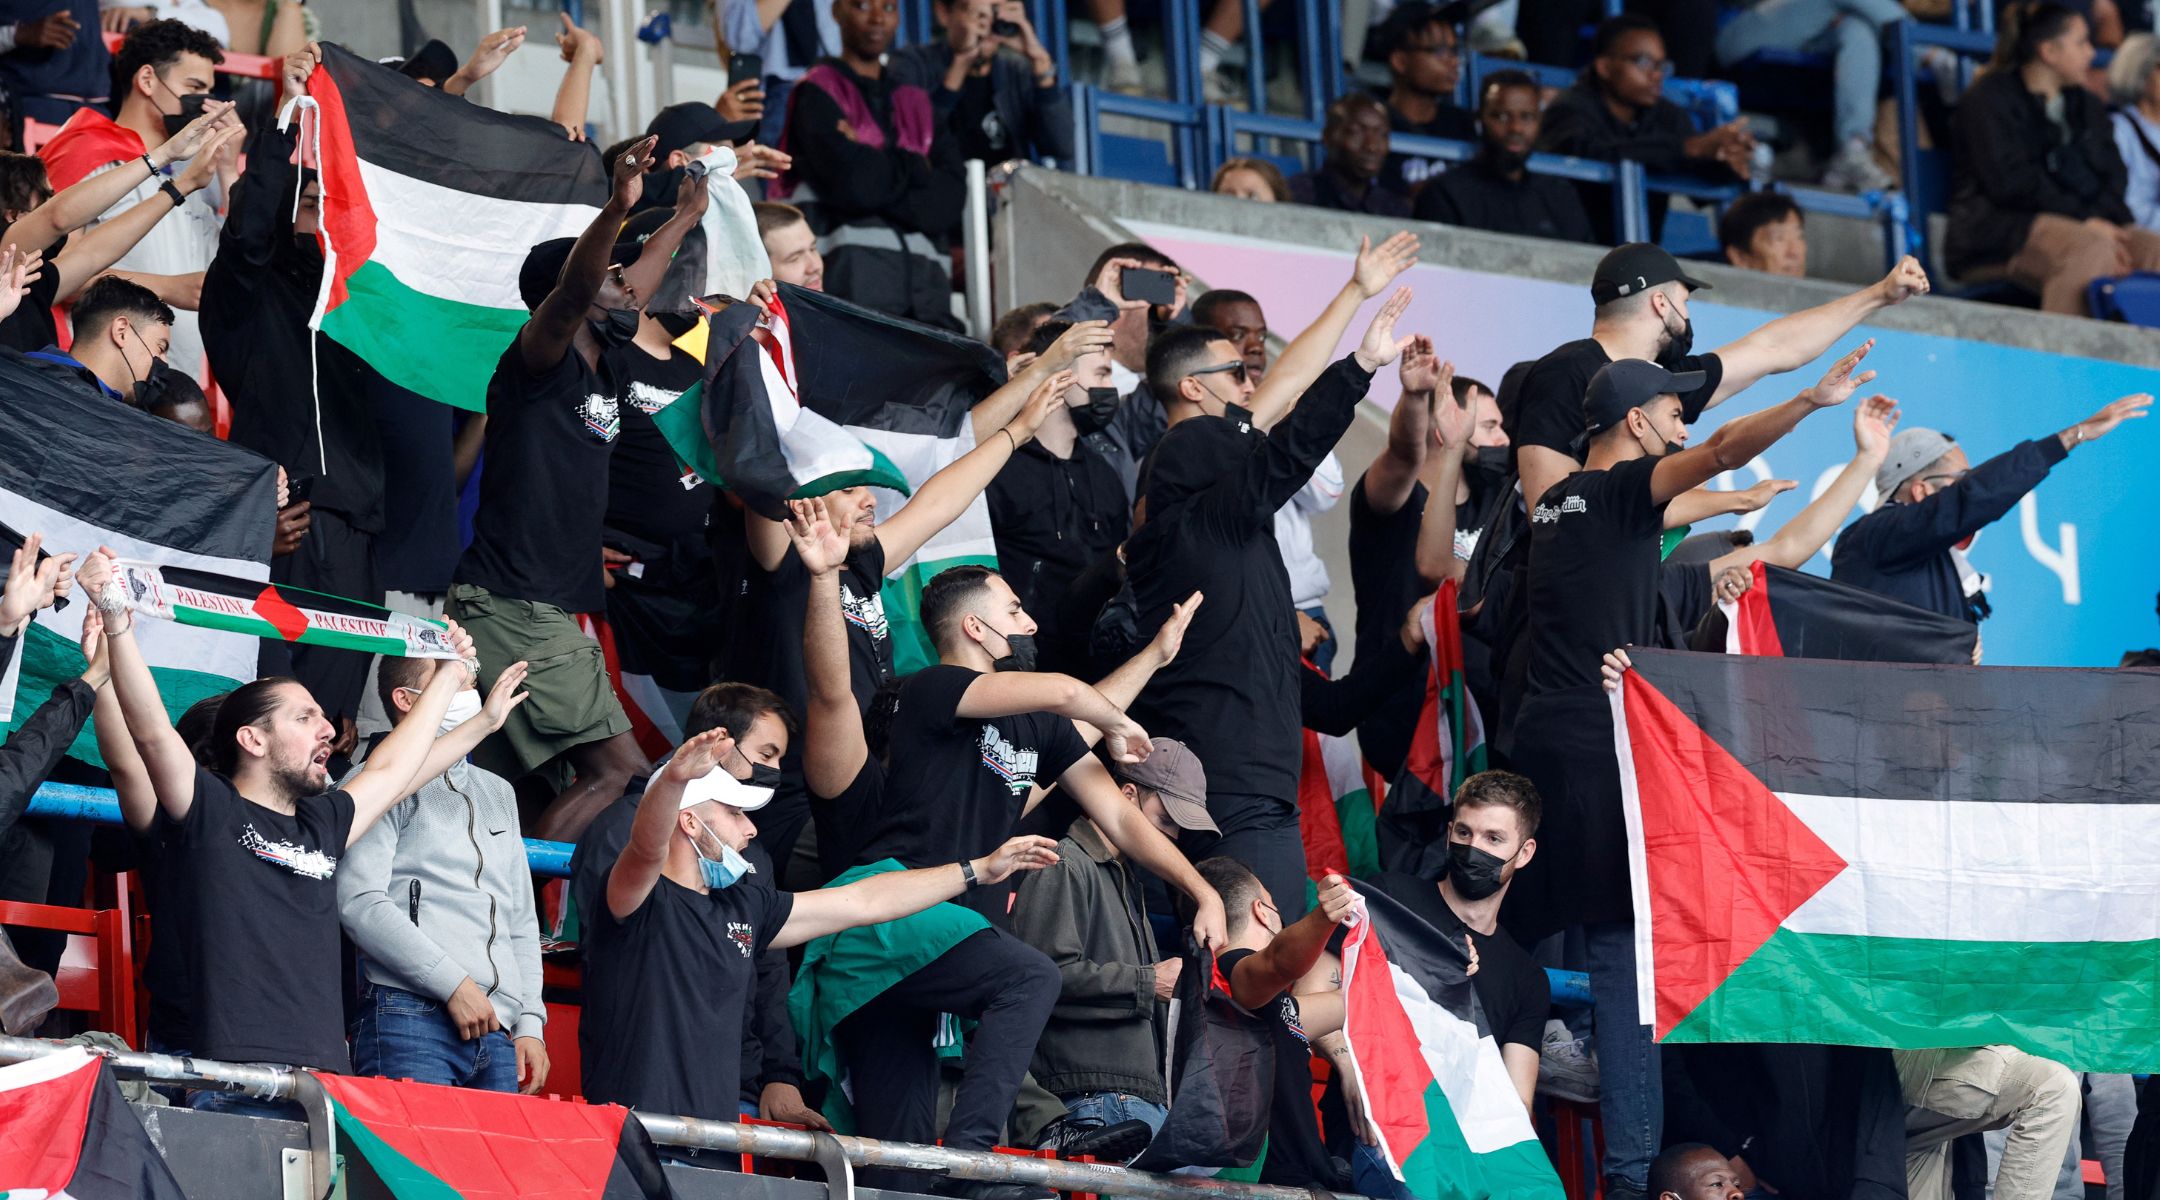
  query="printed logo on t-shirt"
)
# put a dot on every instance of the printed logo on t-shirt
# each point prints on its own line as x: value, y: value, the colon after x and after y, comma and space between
x: 1466, y: 543
x: 743, y: 934
x: 1292, y: 1020
x: 648, y: 398
x: 866, y: 613
x: 602, y: 416
x: 301, y: 861
x: 1546, y: 514
x: 1016, y: 767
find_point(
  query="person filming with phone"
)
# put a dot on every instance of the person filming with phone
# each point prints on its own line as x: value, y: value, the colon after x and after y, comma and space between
x: 992, y: 84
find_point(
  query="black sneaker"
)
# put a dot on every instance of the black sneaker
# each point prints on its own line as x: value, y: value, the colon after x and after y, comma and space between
x: 970, y: 1189
x: 1076, y: 1137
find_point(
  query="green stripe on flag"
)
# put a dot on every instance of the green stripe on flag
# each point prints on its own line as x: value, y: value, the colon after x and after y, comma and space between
x: 404, y: 1178
x: 313, y: 636
x: 882, y: 472
x: 403, y: 332
x: 1355, y: 815
x: 50, y: 659
x: 682, y: 423
x: 1443, y: 1167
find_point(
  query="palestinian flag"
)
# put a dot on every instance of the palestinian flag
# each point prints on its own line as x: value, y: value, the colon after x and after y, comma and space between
x: 1449, y: 1120
x: 1798, y: 615
x: 872, y: 399
x: 1447, y: 745
x: 429, y: 205
x: 66, y: 1133
x: 1338, y: 807
x: 88, y: 472
x: 280, y: 612
x: 1895, y: 855
x: 423, y: 1142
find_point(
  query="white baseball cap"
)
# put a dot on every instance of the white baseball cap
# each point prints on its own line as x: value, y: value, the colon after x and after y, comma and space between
x: 718, y: 786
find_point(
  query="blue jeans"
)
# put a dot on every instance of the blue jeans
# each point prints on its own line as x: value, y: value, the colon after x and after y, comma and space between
x: 1633, y: 1104
x: 402, y: 1035
x: 1374, y: 1178
x: 1851, y: 31
x: 1113, y: 1107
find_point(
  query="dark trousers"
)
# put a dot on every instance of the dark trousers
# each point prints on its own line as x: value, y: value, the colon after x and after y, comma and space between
x: 338, y: 559
x: 1269, y: 845
x: 1007, y: 986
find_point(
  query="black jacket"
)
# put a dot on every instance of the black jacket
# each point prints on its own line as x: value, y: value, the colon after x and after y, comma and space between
x: 36, y: 746
x: 2012, y: 164
x: 1578, y: 123
x: 1041, y: 119
x: 1477, y: 195
x: 875, y: 185
x: 1323, y: 189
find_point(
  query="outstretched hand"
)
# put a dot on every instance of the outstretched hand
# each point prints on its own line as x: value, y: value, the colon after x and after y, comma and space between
x: 493, y: 50
x: 1025, y: 853
x: 822, y: 548
x: 1839, y: 383
x: 2104, y: 422
x: 193, y: 136
x: 1047, y: 398
x: 504, y: 696
x: 32, y: 585
x: 1874, y: 420
x: 697, y: 758
x: 1381, y: 346
x: 1377, y: 266
x: 1419, y: 367
x: 1171, y: 637
x: 1082, y: 339
x: 630, y: 171
x: 16, y: 271
x: 1759, y: 496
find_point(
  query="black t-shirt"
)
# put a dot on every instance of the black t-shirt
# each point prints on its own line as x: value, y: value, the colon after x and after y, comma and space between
x: 418, y: 548
x: 976, y: 124
x: 544, y: 488
x: 649, y: 494
x: 862, y: 609
x: 957, y: 784
x: 165, y: 968
x: 1296, y: 1155
x: 666, y: 989
x: 1404, y: 173
x: 30, y: 326
x: 261, y: 927
x: 1547, y: 409
x: 1512, y: 989
x: 1053, y: 518
x: 1385, y: 582
x: 844, y: 820
x: 1593, y: 573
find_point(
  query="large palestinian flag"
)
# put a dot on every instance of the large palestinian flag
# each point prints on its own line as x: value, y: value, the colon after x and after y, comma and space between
x: 423, y: 1142
x: 429, y: 204
x: 65, y: 1133
x: 1449, y: 1120
x: 1895, y: 855
x: 88, y: 472
x: 279, y: 612
x: 1447, y: 746
x: 1798, y: 615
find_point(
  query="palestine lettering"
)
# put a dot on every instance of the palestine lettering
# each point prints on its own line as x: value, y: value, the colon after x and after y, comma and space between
x: 1545, y: 514
x: 301, y: 861
x: 212, y: 602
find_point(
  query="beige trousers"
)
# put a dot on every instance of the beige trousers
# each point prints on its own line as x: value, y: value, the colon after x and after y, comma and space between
x: 1990, y: 1087
x: 2061, y: 258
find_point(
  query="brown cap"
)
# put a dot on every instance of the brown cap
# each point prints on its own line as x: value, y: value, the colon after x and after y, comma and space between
x: 1173, y: 772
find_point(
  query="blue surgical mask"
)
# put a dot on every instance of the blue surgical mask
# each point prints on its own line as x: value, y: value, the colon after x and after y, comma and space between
x: 724, y: 872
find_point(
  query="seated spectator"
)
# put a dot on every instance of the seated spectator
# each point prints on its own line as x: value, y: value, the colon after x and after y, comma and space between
x: 1764, y: 231
x: 1225, y: 24
x: 1496, y: 191
x: 2038, y: 191
x: 880, y: 179
x: 998, y: 94
x: 122, y: 332
x: 1960, y: 1091
x: 1422, y: 46
x: 1693, y: 1171
x: 789, y: 245
x: 1551, y: 30
x: 52, y: 61
x: 2134, y: 84
x: 1251, y: 179
x: 438, y: 899
x: 1617, y: 109
x: 1852, y: 32
x: 1353, y: 150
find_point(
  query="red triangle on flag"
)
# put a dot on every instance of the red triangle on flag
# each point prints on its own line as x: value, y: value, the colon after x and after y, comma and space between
x: 273, y: 607
x: 1724, y: 860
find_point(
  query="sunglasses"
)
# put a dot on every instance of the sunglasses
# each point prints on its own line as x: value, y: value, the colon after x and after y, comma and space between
x: 1235, y: 367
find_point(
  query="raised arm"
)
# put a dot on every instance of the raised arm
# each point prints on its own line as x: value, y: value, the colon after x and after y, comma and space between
x: 1451, y: 424
x: 583, y: 51
x: 1001, y: 406
x: 1798, y: 539
x: 73, y: 207
x: 553, y: 328
x: 88, y: 254
x: 896, y: 894
x: 131, y: 779
x: 637, y: 869
x: 393, y: 770
x: 1392, y: 477
x: 1792, y: 342
x: 1701, y: 504
x: 834, y: 747
x: 1258, y: 979
x: 1124, y: 826
x: 450, y: 747
x: 164, y: 753
x: 1009, y: 693
x: 1310, y: 352
x: 944, y: 496
x: 491, y: 52
x: 1742, y: 438
x: 1124, y: 685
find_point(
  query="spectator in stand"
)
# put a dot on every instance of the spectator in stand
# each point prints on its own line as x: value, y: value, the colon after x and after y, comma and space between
x: 1617, y: 109
x: 997, y: 93
x: 1421, y: 43
x: 299, y: 397
x: 2134, y: 84
x: 1251, y: 179
x: 1909, y: 548
x: 687, y: 132
x: 2038, y: 191
x: 1693, y: 1171
x: 553, y: 417
x: 1225, y: 24
x: 1134, y: 323
x: 790, y: 245
x: 1764, y: 231
x: 52, y: 61
x: 1552, y: 30
x: 1955, y: 1092
x: 1495, y: 191
x: 122, y: 332
x: 879, y: 177
x: 1013, y: 331
x: 1353, y: 152
x: 257, y: 838
x: 167, y: 69
x: 788, y: 37
x: 1851, y: 32
x: 438, y: 899
x: 1088, y: 912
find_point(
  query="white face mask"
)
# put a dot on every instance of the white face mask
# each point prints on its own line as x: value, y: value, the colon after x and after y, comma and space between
x: 463, y: 707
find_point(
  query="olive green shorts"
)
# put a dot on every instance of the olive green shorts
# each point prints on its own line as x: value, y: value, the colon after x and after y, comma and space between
x: 570, y: 702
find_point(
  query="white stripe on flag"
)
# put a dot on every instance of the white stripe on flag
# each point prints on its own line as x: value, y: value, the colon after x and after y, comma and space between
x: 459, y: 246
x: 36, y: 1071
x: 1638, y: 867
x: 919, y: 456
x: 1984, y: 870
x: 163, y: 643
x: 1345, y: 771
x: 1468, y: 1067
x: 10, y: 681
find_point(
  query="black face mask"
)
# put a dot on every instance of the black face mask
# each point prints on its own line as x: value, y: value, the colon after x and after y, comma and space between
x: 1671, y: 446
x: 1683, y: 340
x: 1474, y: 873
x: 620, y: 326
x: 763, y: 776
x: 1491, y: 460
x: 151, y: 389
x: 1094, y: 416
x: 1019, y: 653
x: 191, y: 107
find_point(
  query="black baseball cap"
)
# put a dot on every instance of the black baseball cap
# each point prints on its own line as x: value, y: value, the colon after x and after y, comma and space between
x: 434, y: 61
x: 1630, y: 383
x: 1636, y: 268
x: 679, y: 125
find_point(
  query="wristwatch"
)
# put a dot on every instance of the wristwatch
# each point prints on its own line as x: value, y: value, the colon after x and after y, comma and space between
x: 172, y: 189
x: 967, y: 875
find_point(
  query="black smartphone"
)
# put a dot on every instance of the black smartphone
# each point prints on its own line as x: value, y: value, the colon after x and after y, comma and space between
x: 298, y: 489
x: 745, y: 66
x: 1004, y: 28
x: 1146, y: 283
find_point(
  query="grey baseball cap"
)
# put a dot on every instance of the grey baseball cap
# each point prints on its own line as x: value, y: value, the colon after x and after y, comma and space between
x: 1173, y: 772
x: 1911, y: 450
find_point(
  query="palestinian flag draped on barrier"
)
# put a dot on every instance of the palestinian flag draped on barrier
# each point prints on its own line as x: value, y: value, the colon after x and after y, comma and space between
x: 875, y: 400
x: 1450, y: 1122
x: 429, y: 204
x: 66, y: 1133
x: 1895, y: 855
x: 279, y: 612
x: 424, y: 1142
x: 88, y: 472
x: 1798, y: 615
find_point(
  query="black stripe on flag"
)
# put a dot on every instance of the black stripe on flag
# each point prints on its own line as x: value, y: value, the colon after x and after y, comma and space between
x: 1923, y: 732
x: 248, y: 589
x: 1822, y: 618
x: 1417, y: 949
x: 876, y: 371
x: 426, y: 134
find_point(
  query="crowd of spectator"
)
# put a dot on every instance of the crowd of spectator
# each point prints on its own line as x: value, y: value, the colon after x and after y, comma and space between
x: 1095, y: 787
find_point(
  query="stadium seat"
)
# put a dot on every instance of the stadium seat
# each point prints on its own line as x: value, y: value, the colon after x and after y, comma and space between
x: 1582, y: 1174
x: 2132, y: 298
x: 97, y: 973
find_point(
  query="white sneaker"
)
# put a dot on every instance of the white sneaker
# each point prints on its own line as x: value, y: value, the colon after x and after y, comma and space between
x: 1122, y: 78
x: 1854, y: 169
x: 1217, y: 87
x: 1566, y: 1066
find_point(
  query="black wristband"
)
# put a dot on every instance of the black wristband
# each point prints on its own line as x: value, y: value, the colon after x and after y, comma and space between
x: 967, y: 875
x: 172, y: 189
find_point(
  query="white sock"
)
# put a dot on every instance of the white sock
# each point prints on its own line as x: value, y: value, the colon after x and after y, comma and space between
x: 1117, y: 43
x: 1212, y: 48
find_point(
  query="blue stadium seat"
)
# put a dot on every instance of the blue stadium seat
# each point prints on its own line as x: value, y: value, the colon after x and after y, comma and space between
x: 2132, y: 298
